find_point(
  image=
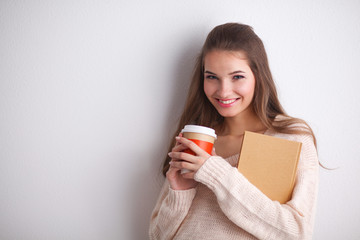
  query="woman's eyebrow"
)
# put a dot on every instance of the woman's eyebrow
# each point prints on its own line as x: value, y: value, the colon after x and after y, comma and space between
x: 210, y: 72
x: 239, y: 71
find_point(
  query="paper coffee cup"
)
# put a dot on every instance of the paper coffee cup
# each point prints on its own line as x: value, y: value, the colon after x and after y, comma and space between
x: 202, y: 136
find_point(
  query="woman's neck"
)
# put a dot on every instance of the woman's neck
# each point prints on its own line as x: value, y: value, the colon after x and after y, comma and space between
x: 245, y: 121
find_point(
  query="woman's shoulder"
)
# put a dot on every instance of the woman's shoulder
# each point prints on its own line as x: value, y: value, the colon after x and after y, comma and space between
x: 297, y: 137
x: 292, y: 124
x: 287, y: 136
x: 308, y: 146
x: 299, y: 131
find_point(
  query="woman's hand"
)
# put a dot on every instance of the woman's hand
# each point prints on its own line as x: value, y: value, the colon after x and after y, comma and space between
x: 182, y: 160
x: 174, y: 176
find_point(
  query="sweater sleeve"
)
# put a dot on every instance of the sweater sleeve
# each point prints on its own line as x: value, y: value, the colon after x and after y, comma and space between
x: 250, y: 209
x: 170, y: 211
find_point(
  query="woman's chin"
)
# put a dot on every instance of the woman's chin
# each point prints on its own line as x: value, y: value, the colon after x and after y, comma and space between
x: 227, y: 114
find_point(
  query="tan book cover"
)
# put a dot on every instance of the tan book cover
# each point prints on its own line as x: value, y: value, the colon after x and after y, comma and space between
x: 270, y: 164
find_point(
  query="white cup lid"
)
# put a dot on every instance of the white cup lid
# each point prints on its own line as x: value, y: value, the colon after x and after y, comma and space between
x: 199, y: 129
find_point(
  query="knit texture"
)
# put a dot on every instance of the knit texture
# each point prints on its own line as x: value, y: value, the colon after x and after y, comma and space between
x: 225, y: 205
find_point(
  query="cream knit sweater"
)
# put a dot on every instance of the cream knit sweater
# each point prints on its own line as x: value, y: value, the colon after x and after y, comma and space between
x: 225, y: 205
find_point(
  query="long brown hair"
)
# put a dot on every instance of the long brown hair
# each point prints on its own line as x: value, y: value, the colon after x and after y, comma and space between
x: 198, y: 109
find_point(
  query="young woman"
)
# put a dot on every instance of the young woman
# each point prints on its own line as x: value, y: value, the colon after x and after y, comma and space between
x: 232, y: 90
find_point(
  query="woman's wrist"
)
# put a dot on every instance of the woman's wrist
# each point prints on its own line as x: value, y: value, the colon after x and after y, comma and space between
x: 175, y: 187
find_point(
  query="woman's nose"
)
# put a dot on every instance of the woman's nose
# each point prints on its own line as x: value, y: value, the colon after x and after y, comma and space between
x: 225, y: 89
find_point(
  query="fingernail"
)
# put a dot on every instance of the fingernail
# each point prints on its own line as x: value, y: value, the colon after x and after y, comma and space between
x: 177, y: 138
x: 169, y: 154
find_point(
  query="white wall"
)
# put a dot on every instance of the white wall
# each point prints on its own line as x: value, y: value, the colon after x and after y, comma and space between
x: 90, y: 92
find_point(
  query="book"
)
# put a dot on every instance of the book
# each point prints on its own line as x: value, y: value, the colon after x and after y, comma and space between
x: 270, y: 164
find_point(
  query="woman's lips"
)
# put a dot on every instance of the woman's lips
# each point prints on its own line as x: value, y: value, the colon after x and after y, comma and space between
x: 227, y: 102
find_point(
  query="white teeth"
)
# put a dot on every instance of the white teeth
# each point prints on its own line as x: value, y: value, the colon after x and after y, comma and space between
x: 228, y: 101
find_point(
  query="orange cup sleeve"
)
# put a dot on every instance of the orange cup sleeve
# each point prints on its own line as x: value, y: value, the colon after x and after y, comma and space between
x: 207, y: 146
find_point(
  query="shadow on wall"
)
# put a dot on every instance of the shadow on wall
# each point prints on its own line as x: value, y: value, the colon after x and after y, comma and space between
x: 146, y: 185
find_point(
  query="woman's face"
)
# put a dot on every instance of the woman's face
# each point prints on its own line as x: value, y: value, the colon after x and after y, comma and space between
x: 229, y: 83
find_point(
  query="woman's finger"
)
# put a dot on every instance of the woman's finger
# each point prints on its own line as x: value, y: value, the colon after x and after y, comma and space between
x: 184, y: 156
x: 179, y: 148
x: 183, y: 165
x: 179, y: 135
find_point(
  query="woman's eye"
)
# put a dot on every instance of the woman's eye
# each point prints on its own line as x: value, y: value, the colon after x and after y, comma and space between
x: 238, y: 77
x: 211, y: 77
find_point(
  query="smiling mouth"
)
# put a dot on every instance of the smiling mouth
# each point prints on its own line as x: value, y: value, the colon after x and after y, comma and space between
x: 227, y: 102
